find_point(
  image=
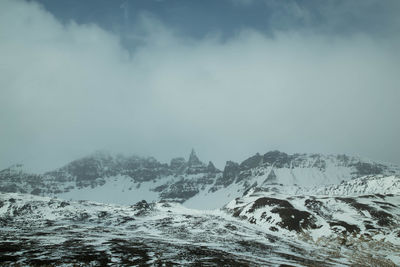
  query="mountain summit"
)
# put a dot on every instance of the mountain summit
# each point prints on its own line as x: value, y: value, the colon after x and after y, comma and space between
x: 193, y: 159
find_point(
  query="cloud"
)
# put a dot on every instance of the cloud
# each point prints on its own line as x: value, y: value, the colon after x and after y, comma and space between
x: 373, y: 17
x: 69, y: 89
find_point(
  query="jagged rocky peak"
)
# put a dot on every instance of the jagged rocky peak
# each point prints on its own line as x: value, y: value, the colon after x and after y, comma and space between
x: 195, y: 165
x: 194, y: 160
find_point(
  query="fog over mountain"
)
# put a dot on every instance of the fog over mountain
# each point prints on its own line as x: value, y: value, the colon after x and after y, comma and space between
x: 230, y: 78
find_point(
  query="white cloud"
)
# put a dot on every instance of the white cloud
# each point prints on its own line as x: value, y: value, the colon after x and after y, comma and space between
x: 66, y: 90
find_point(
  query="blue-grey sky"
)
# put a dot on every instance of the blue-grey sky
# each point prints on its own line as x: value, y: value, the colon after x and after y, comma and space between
x: 227, y: 77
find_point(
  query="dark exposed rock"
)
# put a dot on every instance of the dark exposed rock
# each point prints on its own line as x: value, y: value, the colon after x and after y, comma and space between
x: 36, y: 191
x: 178, y: 164
x: 64, y: 204
x: 180, y: 191
x: 384, y: 218
x: 314, y: 205
x: 295, y: 220
x: 141, y: 170
x: 267, y: 201
x: 231, y: 171
x: 211, y: 168
x: 277, y: 158
x: 364, y: 168
x: 142, y: 208
x: 350, y: 228
x: 251, y: 162
x: 90, y: 168
x: 249, y: 188
x: 369, y: 226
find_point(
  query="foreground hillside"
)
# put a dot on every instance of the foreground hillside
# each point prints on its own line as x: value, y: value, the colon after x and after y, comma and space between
x: 38, y: 231
x: 262, y: 231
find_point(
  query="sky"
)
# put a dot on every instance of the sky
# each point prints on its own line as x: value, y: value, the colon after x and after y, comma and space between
x: 228, y: 78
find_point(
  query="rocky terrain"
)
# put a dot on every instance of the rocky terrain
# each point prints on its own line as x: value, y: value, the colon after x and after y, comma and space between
x: 45, y: 231
x: 39, y: 231
x: 363, y: 223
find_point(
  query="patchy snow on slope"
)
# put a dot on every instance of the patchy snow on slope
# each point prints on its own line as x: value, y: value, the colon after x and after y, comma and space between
x: 377, y: 184
x: 38, y: 231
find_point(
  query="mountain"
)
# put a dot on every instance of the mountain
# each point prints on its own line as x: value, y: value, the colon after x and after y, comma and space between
x: 125, y: 180
x: 273, y: 209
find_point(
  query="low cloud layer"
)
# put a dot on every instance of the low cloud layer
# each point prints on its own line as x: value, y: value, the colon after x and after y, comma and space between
x: 67, y: 90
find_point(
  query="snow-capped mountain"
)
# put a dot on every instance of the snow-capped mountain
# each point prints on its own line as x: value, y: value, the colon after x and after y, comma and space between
x: 126, y: 180
x: 270, y: 210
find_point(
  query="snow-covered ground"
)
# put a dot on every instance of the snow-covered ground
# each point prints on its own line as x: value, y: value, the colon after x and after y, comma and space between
x: 37, y: 230
x: 42, y: 230
x: 298, y: 210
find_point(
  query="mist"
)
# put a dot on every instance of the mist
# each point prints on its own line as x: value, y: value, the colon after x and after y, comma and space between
x: 69, y: 89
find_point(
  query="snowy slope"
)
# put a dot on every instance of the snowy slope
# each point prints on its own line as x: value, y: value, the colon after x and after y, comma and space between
x: 371, y: 184
x: 369, y: 223
x: 47, y: 231
x: 39, y: 231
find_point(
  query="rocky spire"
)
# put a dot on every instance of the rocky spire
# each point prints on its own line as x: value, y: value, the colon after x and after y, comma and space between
x: 193, y: 159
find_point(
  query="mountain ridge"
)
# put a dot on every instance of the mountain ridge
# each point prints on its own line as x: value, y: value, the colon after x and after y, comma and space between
x: 187, y: 181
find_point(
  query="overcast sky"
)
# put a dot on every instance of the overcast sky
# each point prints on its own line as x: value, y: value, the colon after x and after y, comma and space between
x: 229, y: 78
